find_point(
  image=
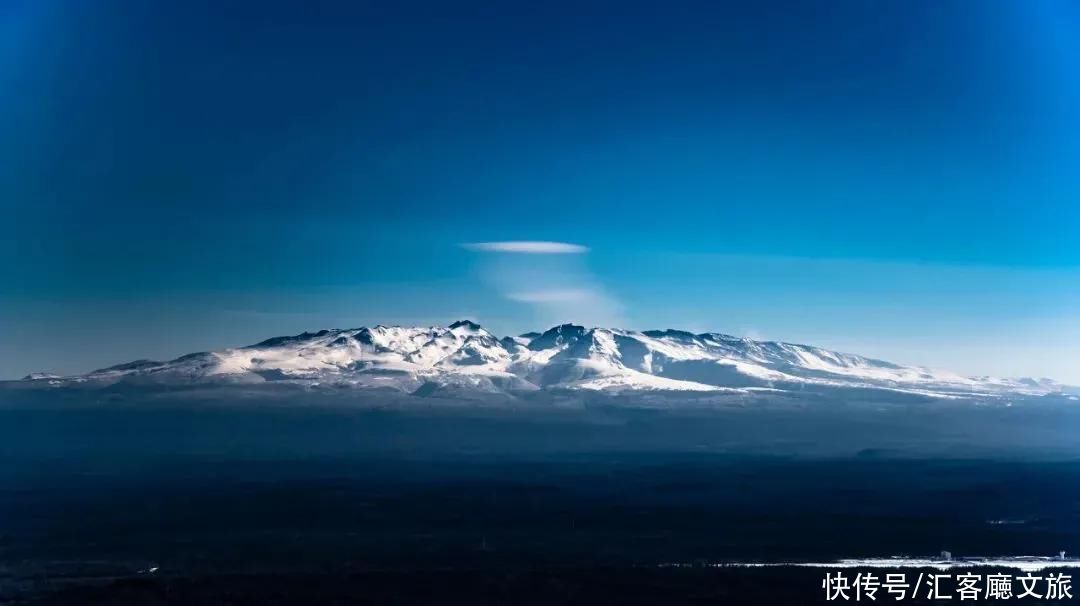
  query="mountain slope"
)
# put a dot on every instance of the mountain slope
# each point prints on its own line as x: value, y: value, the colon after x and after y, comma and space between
x: 465, y: 357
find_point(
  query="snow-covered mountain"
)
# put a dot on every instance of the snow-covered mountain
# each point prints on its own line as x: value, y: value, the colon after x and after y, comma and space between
x: 465, y: 357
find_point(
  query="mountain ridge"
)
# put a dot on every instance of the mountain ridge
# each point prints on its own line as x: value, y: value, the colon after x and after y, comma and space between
x: 466, y: 357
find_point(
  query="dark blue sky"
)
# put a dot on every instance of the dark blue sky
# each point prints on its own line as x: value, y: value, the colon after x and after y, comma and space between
x: 899, y: 177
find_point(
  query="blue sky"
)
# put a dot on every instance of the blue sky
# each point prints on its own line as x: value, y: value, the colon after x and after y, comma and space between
x: 891, y: 178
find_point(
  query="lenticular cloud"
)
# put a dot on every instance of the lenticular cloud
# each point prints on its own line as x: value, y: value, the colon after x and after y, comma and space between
x: 528, y: 247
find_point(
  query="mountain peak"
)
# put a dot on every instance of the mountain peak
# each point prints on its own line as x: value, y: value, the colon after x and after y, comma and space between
x: 563, y: 334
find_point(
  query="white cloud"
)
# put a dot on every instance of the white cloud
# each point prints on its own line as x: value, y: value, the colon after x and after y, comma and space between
x: 550, y: 277
x: 551, y: 295
x: 528, y: 247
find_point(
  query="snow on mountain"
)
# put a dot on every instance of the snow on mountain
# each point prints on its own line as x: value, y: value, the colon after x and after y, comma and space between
x: 465, y: 357
x: 40, y: 376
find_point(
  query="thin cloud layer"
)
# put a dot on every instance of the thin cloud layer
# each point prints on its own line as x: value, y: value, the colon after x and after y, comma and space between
x: 552, y: 278
x: 528, y: 247
x: 551, y: 296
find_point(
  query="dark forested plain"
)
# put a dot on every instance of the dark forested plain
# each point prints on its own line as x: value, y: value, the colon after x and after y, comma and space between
x: 139, y: 501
